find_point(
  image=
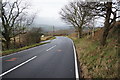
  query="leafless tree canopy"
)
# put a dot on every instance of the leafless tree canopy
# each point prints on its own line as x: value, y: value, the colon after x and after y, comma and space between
x: 13, y: 16
x: 77, y: 15
x: 107, y: 10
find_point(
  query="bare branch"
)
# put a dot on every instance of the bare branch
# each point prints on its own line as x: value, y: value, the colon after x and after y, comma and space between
x: 76, y: 14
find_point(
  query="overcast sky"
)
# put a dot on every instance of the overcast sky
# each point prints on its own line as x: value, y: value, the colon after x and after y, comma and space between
x: 48, y: 11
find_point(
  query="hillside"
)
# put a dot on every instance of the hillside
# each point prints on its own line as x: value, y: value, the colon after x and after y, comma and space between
x: 96, y: 61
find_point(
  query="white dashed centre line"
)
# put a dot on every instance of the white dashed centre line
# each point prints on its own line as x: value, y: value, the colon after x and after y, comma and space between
x: 50, y: 48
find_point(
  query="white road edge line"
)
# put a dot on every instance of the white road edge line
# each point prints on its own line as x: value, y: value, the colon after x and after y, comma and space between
x: 17, y: 66
x: 76, y: 65
x: 50, y: 48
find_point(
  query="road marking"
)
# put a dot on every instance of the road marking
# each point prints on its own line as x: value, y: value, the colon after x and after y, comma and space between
x: 23, y: 51
x: 59, y: 50
x: 17, y: 66
x: 12, y: 59
x: 76, y: 65
x: 50, y: 48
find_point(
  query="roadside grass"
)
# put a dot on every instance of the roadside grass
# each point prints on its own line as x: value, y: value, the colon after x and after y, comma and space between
x: 52, y: 38
x: 47, y: 38
x: 6, y: 52
x: 96, y: 61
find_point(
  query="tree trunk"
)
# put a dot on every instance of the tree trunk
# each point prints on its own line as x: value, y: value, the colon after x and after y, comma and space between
x: 104, y: 36
x: 118, y: 41
x: 105, y: 32
x: 107, y: 23
x: 14, y: 42
x: 80, y: 33
x: 20, y: 41
x: 7, y: 44
x: 7, y: 40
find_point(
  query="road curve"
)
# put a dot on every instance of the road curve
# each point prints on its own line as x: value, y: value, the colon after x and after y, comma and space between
x: 52, y: 60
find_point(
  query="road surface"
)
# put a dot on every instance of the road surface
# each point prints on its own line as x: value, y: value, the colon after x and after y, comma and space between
x: 53, y: 60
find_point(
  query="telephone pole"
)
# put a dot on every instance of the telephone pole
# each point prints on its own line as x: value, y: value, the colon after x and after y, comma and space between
x: 53, y: 30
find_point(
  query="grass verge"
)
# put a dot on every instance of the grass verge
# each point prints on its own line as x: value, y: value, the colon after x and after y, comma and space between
x: 52, y: 38
x: 96, y: 61
x: 20, y: 49
x: 48, y: 38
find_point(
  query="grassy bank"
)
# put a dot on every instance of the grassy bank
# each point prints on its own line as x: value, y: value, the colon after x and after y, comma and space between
x: 96, y: 61
x: 47, y: 38
x: 6, y: 52
x: 52, y: 38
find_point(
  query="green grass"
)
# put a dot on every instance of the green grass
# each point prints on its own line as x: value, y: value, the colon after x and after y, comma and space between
x: 20, y: 49
x: 96, y: 61
x: 49, y: 38
x: 52, y: 38
x: 6, y: 52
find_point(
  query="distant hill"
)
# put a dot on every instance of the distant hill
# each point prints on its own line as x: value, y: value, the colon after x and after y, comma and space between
x: 48, y: 28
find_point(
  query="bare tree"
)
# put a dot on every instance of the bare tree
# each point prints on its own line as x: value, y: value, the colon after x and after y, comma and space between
x: 10, y: 13
x: 23, y: 23
x: 108, y: 11
x: 76, y: 15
